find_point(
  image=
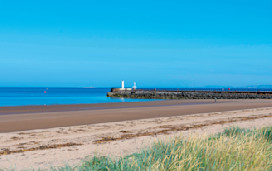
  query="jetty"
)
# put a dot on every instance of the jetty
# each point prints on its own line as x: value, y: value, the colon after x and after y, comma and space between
x: 188, y: 94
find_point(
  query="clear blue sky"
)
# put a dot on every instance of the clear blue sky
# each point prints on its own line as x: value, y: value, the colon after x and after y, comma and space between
x: 155, y: 43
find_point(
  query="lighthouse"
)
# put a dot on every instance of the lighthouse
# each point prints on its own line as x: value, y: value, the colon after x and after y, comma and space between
x: 123, y: 85
x: 134, y: 86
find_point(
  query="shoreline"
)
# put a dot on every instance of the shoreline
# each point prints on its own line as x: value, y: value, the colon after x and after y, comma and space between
x: 6, y: 110
x: 41, y: 117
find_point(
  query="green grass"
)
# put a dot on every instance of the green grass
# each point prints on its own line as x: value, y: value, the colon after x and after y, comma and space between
x: 233, y: 149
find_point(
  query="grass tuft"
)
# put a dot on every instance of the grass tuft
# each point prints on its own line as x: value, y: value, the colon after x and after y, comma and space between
x: 233, y: 149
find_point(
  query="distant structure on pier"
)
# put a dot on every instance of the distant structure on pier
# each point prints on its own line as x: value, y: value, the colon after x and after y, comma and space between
x: 134, y: 86
x: 123, y: 86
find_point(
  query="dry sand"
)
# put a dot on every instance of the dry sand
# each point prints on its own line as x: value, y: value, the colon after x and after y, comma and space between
x: 43, y: 148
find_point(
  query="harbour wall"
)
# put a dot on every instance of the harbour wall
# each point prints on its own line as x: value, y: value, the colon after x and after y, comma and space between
x: 143, y: 94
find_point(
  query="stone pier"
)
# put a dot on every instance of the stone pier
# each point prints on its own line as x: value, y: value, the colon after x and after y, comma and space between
x: 144, y: 94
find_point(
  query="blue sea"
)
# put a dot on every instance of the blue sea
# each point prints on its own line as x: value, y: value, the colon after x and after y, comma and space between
x: 54, y: 96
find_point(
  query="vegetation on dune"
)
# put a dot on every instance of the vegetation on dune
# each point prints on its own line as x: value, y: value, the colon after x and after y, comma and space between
x: 234, y: 149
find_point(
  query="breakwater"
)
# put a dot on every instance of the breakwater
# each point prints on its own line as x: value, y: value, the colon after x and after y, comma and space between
x: 149, y: 94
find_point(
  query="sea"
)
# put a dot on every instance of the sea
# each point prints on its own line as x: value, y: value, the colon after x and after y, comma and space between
x: 56, y: 96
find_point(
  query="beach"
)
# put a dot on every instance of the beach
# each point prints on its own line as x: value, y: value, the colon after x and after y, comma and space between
x: 41, y: 117
x: 53, y: 136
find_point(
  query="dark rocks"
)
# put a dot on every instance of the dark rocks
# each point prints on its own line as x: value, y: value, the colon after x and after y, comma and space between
x: 190, y: 95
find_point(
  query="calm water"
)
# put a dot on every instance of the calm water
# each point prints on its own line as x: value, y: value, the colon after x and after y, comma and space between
x: 51, y: 96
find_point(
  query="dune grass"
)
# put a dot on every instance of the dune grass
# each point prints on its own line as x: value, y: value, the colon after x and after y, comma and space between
x: 233, y: 149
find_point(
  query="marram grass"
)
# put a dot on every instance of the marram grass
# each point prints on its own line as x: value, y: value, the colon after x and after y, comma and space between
x: 234, y: 149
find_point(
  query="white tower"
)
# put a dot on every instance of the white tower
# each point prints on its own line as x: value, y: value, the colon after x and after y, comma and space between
x: 134, y: 86
x: 123, y: 85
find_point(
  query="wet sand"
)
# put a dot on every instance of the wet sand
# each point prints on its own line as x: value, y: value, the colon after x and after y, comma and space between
x: 41, y: 117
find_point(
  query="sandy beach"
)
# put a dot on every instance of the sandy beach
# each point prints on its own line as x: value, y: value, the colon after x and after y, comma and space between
x: 68, y: 134
x: 41, y: 117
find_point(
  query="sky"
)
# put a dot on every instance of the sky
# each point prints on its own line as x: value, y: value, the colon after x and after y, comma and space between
x: 155, y: 43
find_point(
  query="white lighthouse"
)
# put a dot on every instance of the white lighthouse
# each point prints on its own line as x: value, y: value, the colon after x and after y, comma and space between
x: 123, y: 85
x: 134, y: 86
